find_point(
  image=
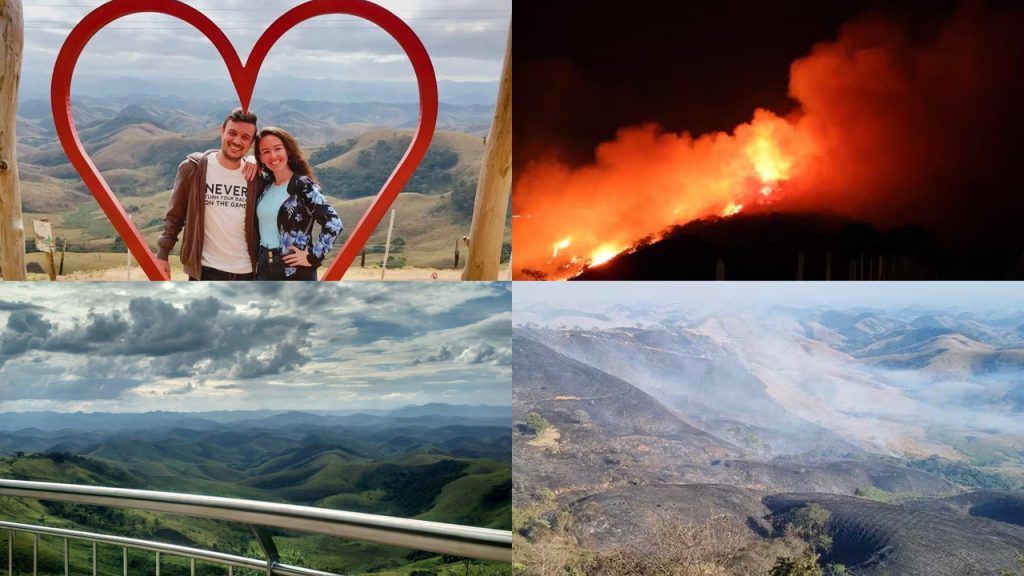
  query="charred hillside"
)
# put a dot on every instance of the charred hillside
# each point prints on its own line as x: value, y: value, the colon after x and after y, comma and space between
x: 848, y: 477
x: 617, y: 517
x: 771, y: 246
x: 691, y: 373
x: 608, y: 431
x: 874, y: 538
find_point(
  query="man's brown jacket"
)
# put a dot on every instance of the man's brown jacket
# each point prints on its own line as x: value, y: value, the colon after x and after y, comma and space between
x: 187, y: 208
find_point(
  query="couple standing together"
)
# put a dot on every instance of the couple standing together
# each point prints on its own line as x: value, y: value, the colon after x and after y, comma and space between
x: 244, y: 220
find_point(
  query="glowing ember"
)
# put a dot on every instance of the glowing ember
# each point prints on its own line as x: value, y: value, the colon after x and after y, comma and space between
x: 732, y: 209
x: 560, y: 246
x: 602, y: 255
x: 766, y: 190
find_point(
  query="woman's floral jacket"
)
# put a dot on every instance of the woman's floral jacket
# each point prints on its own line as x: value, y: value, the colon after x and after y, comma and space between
x: 304, y: 206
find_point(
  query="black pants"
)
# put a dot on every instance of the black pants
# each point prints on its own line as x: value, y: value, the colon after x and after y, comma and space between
x: 266, y: 272
x: 215, y: 274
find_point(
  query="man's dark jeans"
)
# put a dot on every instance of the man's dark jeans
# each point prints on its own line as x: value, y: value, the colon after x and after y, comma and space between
x: 214, y: 274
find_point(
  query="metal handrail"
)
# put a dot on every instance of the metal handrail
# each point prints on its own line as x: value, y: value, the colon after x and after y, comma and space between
x: 452, y: 539
x: 158, y: 547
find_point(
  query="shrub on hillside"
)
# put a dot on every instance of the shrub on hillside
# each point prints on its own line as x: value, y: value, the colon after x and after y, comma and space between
x: 536, y: 423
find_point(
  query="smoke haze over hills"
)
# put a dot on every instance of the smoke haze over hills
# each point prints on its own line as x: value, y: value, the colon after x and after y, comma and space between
x: 893, y: 412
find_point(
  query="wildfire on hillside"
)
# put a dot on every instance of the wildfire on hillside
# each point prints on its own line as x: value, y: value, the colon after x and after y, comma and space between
x: 881, y: 124
x: 717, y: 175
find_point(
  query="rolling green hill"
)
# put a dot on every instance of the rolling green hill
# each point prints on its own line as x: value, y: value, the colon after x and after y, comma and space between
x: 420, y: 472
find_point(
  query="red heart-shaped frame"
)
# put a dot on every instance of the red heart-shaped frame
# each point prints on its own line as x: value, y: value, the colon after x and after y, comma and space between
x: 243, y: 76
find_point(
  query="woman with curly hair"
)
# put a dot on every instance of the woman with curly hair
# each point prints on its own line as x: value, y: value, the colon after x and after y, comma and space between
x: 289, y: 202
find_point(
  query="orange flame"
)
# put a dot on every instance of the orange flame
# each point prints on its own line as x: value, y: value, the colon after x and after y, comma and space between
x: 644, y: 181
x: 603, y: 254
x: 768, y: 161
x: 732, y: 209
x: 562, y: 245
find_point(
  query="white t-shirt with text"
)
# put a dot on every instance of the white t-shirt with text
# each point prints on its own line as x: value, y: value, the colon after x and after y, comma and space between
x: 224, y: 245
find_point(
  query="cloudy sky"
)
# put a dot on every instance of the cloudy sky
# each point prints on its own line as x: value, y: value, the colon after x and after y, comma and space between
x: 196, y: 347
x: 465, y: 38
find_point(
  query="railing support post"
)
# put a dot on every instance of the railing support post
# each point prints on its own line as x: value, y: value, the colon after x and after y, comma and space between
x: 267, y: 544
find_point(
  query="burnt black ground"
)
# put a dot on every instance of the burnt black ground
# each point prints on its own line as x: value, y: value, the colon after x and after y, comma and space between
x: 831, y: 477
x: 876, y: 539
x: 624, y: 515
x: 627, y: 437
x: 1004, y: 506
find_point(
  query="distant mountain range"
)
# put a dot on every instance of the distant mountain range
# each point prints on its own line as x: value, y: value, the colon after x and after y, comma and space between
x: 427, y: 414
x: 270, y: 87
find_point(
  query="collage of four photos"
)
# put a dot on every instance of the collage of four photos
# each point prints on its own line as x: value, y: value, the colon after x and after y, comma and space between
x: 743, y: 298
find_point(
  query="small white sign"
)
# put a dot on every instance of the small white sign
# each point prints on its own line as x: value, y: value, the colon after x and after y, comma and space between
x: 44, y: 235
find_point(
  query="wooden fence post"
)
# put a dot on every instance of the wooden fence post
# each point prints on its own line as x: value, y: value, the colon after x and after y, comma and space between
x: 62, y: 252
x: 12, y: 229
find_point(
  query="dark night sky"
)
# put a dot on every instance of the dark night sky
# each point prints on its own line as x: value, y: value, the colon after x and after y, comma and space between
x: 583, y: 69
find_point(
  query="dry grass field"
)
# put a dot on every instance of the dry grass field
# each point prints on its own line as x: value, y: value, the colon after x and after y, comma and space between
x: 106, y: 266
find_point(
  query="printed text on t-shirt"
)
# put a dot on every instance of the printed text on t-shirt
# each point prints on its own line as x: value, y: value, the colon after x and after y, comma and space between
x: 225, y: 195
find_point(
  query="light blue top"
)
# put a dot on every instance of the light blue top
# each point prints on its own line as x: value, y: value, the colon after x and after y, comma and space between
x: 266, y: 212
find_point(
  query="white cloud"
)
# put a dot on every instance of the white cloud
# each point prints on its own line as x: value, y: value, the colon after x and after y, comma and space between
x: 152, y: 45
x: 205, y: 346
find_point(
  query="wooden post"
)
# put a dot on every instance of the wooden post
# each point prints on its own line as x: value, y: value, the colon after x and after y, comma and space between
x: 128, y: 259
x: 492, y: 193
x: 52, y: 268
x: 456, y: 266
x: 362, y: 259
x: 63, y: 251
x: 12, y: 230
x: 387, y: 246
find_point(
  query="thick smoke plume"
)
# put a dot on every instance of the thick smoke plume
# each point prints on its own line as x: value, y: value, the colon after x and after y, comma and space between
x: 893, y: 126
